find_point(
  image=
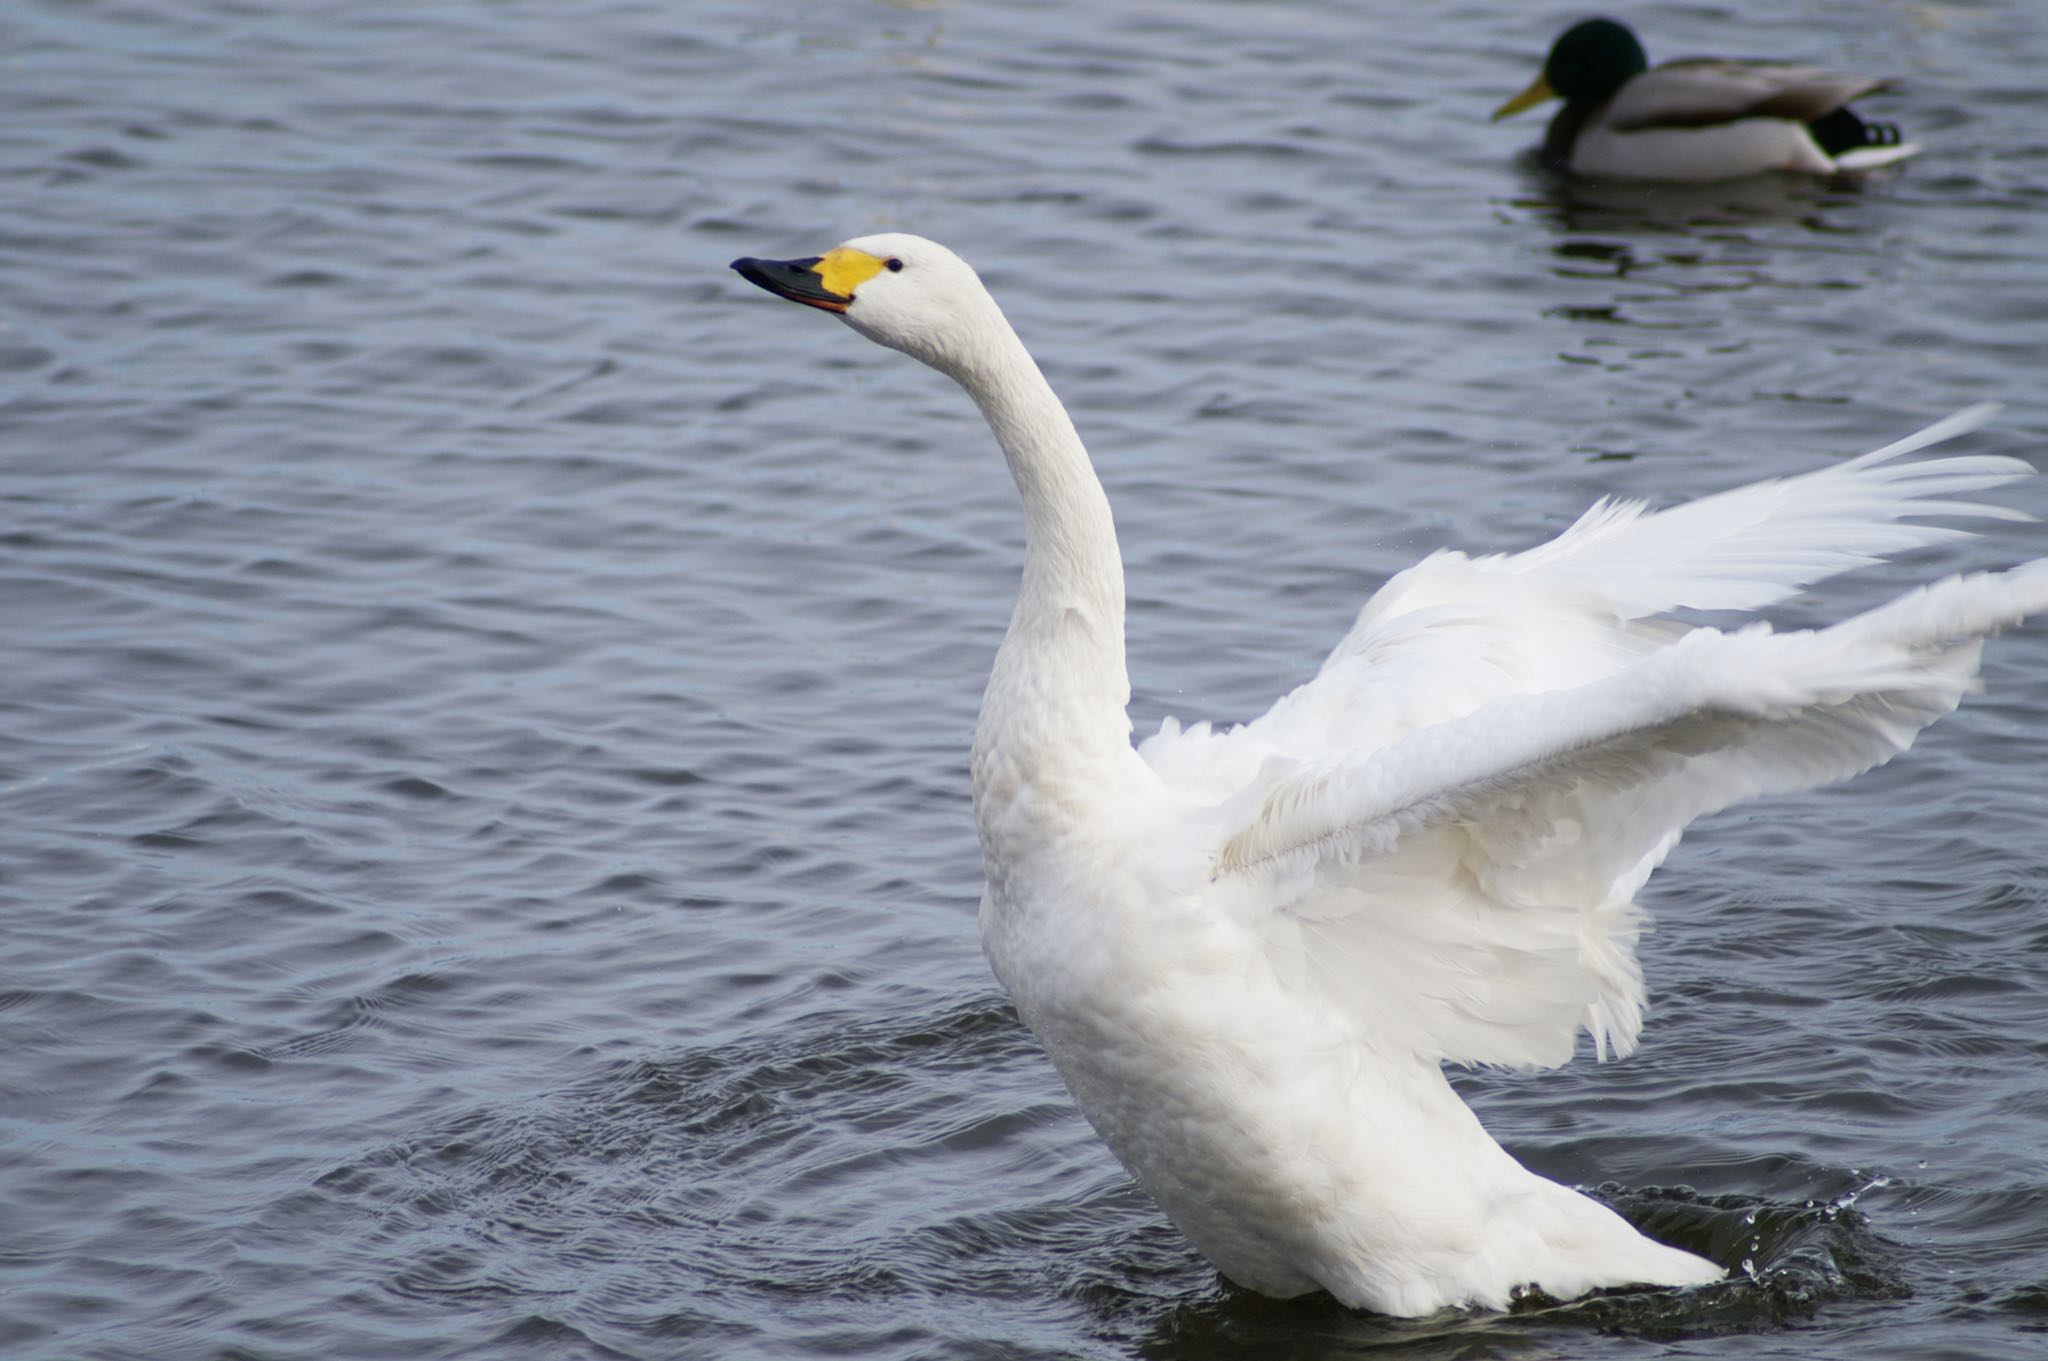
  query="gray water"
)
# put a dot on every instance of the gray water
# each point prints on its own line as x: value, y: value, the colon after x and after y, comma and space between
x: 484, y: 692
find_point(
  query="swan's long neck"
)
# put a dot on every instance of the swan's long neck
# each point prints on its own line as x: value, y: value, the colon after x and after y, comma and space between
x: 1053, y: 718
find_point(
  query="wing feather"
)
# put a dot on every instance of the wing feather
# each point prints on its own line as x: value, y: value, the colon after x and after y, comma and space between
x: 1705, y: 91
x: 1540, y: 816
x: 1756, y: 545
x: 1447, y: 825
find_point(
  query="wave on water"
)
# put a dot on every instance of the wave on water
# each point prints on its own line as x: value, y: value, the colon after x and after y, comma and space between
x: 854, y: 1182
x: 1787, y: 1262
x: 852, y: 1179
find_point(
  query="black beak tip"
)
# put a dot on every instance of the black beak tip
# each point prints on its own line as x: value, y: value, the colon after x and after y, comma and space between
x: 791, y: 279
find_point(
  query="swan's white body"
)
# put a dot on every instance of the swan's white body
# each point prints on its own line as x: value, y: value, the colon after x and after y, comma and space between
x: 1250, y: 952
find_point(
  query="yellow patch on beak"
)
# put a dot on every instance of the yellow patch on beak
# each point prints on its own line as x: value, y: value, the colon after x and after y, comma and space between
x: 1538, y: 91
x: 843, y: 269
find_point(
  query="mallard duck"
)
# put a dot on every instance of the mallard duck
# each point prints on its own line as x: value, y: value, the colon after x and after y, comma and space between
x: 1698, y: 119
x: 1250, y: 952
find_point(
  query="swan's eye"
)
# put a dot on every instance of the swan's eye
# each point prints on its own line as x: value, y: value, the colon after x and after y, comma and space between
x: 893, y: 265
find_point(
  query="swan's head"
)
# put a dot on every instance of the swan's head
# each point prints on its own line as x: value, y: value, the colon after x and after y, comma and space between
x: 896, y: 289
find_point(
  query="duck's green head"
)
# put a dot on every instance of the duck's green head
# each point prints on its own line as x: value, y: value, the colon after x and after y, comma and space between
x: 1586, y: 65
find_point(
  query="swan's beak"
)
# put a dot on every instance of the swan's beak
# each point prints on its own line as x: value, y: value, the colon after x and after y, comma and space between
x: 797, y: 280
x: 1538, y: 91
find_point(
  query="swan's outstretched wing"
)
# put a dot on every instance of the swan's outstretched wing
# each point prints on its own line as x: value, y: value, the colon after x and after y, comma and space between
x: 1468, y: 888
x: 1453, y: 633
x: 1482, y: 911
x: 1755, y: 545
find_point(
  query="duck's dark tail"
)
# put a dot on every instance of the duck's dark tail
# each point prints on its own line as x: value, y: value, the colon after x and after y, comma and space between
x: 1841, y: 130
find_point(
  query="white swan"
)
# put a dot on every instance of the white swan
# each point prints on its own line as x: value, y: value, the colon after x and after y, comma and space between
x: 1249, y: 952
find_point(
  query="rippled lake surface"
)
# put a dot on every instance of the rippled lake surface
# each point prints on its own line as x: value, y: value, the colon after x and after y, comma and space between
x: 484, y: 692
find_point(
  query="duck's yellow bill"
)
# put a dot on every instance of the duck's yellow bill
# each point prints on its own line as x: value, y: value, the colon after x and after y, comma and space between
x: 1538, y: 91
